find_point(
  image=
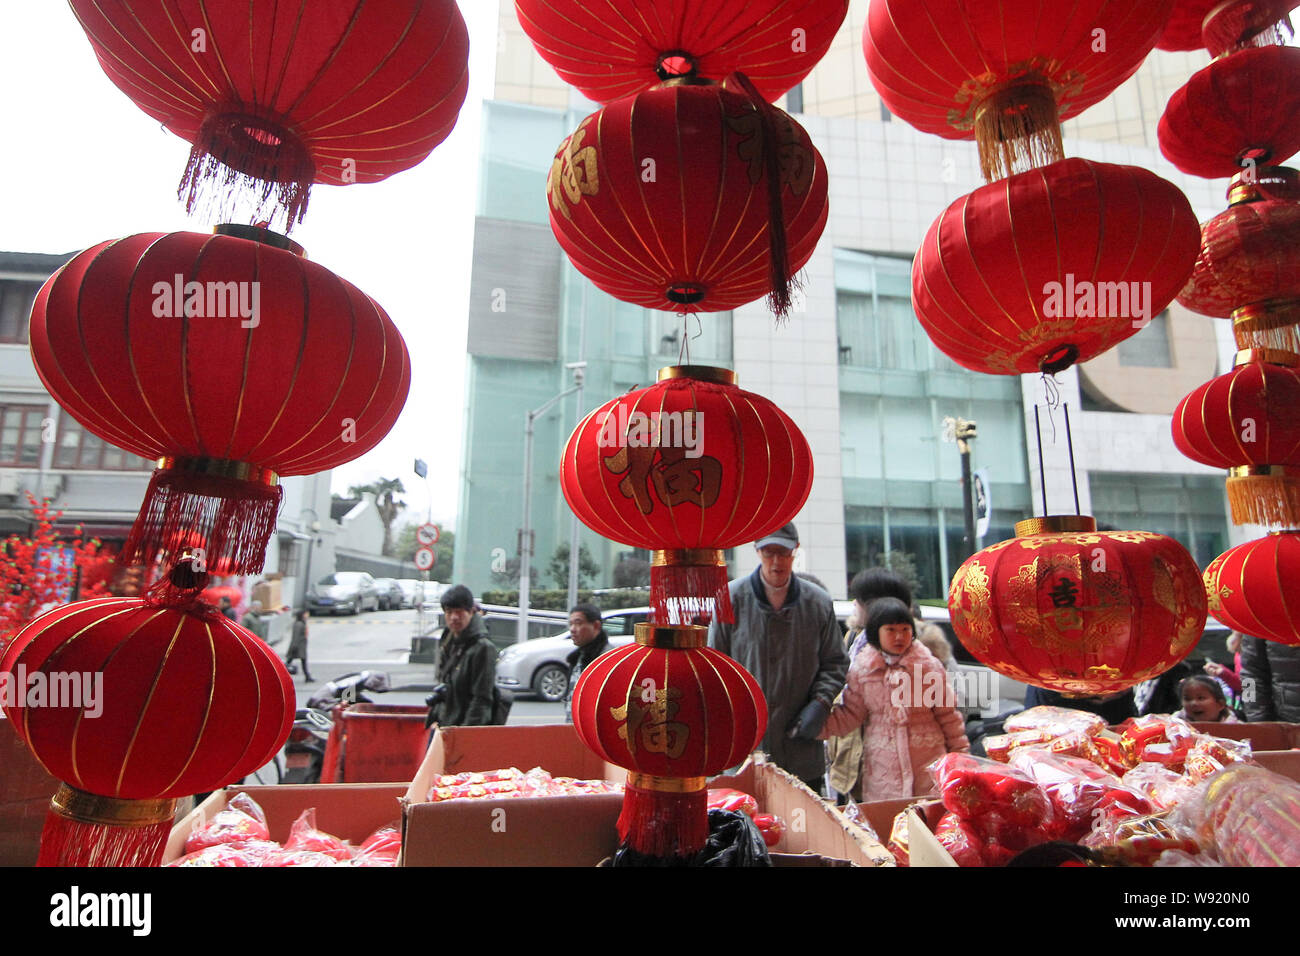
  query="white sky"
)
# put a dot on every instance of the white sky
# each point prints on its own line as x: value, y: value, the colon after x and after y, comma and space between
x: 80, y: 163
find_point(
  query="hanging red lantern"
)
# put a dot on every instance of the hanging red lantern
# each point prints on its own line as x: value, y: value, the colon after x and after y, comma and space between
x: 230, y: 361
x: 616, y: 48
x: 1252, y: 587
x: 172, y: 699
x: 1183, y: 30
x: 674, y: 712
x: 1240, y: 110
x: 691, y: 197
x: 1245, y: 421
x: 1076, y: 610
x: 1005, y: 72
x: 1053, y: 266
x: 277, y: 96
x: 1233, y: 24
x: 686, y: 468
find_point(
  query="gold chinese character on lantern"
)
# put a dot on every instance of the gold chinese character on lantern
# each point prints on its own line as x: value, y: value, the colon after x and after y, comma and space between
x: 648, y: 722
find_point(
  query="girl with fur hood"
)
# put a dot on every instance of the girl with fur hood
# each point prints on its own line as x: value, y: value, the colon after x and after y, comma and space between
x: 900, y: 695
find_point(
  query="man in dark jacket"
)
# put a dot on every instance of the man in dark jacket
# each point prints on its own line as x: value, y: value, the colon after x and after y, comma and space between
x: 1270, y: 680
x: 466, y: 676
x: 590, y: 641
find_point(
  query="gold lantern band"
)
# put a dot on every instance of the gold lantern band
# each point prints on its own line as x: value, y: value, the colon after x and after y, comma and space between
x: 90, y: 808
x: 257, y: 234
x: 677, y: 557
x: 672, y: 636
x: 1266, y: 356
x: 702, y: 373
x: 1267, y: 325
x: 1055, y: 524
x: 1279, y: 182
x: 645, y: 781
x: 221, y: 468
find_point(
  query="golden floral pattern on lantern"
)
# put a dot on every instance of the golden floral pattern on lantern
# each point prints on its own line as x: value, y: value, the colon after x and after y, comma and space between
x: 1068, y: 626
x: 973, y: 580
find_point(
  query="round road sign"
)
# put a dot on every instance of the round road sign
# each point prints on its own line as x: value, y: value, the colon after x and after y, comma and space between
x: 427, y: 534
x: 424, y: 559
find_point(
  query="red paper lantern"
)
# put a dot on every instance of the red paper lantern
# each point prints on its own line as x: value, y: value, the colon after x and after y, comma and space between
x: 1046, y: 268
x: 281, y: 95
x: 1183, y: 30
x: 1245, y: 421
x: 1243, y: 108
x: 674, y: 712
x: 615, y: 48
x: 689, y: 198
x: 144, y: 341
x: 1081, y: 611
x: 172, y: 699
x: 1005, y: 72
x: 687, y: 467
x: 1252, y: 587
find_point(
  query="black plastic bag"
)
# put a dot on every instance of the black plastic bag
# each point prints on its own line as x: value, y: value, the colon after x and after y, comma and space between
x: 734, y: 840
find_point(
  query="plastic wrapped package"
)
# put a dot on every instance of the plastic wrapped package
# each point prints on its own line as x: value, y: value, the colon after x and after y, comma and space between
x: 304, y: 836
x: 1000, y: 747
x: 898, y: 844
x: 1209, y: 755
x: 287, y: 857
x: 240, y: 821
x: 237, y: 853
x: 1163, y: 787
x: 771, y: 827
x: 724, y: 798
x: 1158, y: 738
x: 1253, y: 817
x: 962, y: 841
x: 1080, y: 791
x: 1111, y: 751
x: 972, y: 787
x: 851, y: 811
x: 381, y: 848
x: 1045, y: 716
x: 1140, y: 841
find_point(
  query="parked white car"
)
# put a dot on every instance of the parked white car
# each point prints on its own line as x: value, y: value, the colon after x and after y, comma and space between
x: 540, y: 666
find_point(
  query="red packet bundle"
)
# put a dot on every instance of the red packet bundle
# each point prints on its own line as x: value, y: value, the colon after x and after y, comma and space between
x: 241, y: 853
x: 240, y: 821
x: 898, y: 844
x: 771, y: 827
x: 727, y: 799
x: 304, y: 836
x: 287, y: 857
x: 1062, y: 717
x: 1253, y: 817
x: 962, y: 841
x: 1080, y: 791
x: 381, y: 848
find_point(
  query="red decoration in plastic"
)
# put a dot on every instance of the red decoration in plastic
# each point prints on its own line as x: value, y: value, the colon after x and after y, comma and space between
x: 692, y: 462
x: 688, y: 198
x: 1006, y: 276
x: 1241, y: 107
x: 1245, y: 417
x: 1252, y: 587
x: 315, y: 378
x: 287, y: 94
x: 609, y: 49
x: 1078, y: 610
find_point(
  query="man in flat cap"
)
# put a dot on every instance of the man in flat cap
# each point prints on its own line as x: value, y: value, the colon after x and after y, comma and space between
x: 786, y: 635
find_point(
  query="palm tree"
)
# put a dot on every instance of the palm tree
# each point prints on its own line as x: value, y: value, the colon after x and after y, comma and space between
x: 387, y: 506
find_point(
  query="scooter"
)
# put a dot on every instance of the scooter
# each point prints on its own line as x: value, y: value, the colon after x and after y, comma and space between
x: 304, y: 752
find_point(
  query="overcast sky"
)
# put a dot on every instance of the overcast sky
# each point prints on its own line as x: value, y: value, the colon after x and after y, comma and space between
x: 80, y: 163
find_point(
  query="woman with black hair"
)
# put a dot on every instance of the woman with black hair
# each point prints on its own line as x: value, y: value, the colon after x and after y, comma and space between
x: 900, y: 695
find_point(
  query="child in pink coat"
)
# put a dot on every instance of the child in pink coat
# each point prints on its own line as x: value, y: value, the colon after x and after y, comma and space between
x: 899, y: 693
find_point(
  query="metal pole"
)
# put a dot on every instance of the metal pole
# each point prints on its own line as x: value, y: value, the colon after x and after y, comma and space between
x: 579, y: 376
x: 967, y: 502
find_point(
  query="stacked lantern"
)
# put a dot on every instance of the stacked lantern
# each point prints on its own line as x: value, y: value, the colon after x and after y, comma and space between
x: 1044, y: 266
x: 1241, y: 115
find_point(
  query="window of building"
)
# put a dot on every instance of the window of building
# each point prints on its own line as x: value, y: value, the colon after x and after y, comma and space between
x: 877, y: 327
x: 1191, y: 509
x: 77, y: 448
x: 794, y: 99
x: 20, y: 434
x: 291, y: 552
x: 16, y: 297
x: 1149, y: 348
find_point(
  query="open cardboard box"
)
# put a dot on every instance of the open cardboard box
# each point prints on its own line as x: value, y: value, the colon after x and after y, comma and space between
x: 924, y: 814
x: 1263, y: 736
x: 25, y: 791
x: 582, y: 830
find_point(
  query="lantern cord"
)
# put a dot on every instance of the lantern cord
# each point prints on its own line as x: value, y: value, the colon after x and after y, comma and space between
x: 1069, y: 438
x: 1042, y: 474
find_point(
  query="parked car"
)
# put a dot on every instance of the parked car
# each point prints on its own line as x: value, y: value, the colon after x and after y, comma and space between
x: 390, y: 593
x: 343, y: 592
x: 412, y: 591
x: 540, y: 665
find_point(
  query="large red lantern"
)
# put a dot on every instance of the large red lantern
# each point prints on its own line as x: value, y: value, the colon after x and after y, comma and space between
x: 615, y: 48
x: 1246, y: 421
x: 689, y: 198
x: 1252, y: 587
x: 173, y: 699
x: 281, y: 95
x: 1076, y: 610
x: 1052, y: 266
x: 674, y: 712
x: 1221, y: 26
x: 687, y: 467
x: 1241, y: 109
x: 1005, y: 72
x: 230, y: 361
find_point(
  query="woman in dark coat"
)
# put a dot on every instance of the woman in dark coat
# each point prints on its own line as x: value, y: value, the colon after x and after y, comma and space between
x: 298, y: 644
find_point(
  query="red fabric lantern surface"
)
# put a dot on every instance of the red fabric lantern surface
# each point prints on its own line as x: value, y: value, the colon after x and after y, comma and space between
x: 687, y: 467
x: 674, y: 712
x: 183, y: 701
x: 1245, y: 106
x: 1252, y: 587
x: 1076, y: 610
x: 689, y: 198
x: 1004, y: 72
x: 1183, y: 30
x: 1045, y: 268
x: 283, y: 94
x: 315, y: 376
x: 609, y: 49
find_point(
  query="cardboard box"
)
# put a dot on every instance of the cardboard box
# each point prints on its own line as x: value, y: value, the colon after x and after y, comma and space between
x: 349, y: 811
x: 270, y: 593
x: 25, y: 791
x: 1265, y: 735
x: 924, y: 849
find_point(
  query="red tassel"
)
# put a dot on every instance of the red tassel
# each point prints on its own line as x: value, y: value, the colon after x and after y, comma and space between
x: 84, y: 830
x: 690, y: 594
x: 662, y: 823
x: 232, y: 519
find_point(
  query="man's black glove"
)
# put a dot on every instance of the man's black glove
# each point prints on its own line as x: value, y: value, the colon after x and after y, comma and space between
x: 810, y: 721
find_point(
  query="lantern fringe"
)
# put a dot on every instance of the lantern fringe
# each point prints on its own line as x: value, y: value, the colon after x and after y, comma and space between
x: 1273, y: 325
x: 120, y: 833
x: 690, y: 594
x: 1017, y: 127
x: 1265, y: 500
x: 1242, y: 26
x: 237, y: 154
x: 233, y: 518
x: 664, y: 824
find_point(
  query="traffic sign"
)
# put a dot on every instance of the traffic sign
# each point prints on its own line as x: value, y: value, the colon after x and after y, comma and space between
x: 427, y: 534
x: 424, y: 559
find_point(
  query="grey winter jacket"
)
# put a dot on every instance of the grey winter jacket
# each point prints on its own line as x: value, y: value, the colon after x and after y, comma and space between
x: 796, y: 654
x: 1270, y: 680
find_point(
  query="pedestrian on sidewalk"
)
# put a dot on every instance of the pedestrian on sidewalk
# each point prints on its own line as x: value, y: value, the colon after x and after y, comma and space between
x: 298, y: 645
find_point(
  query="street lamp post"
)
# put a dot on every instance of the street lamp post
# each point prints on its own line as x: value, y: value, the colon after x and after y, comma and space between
x: 526, y: 532
x: 963, y: 432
